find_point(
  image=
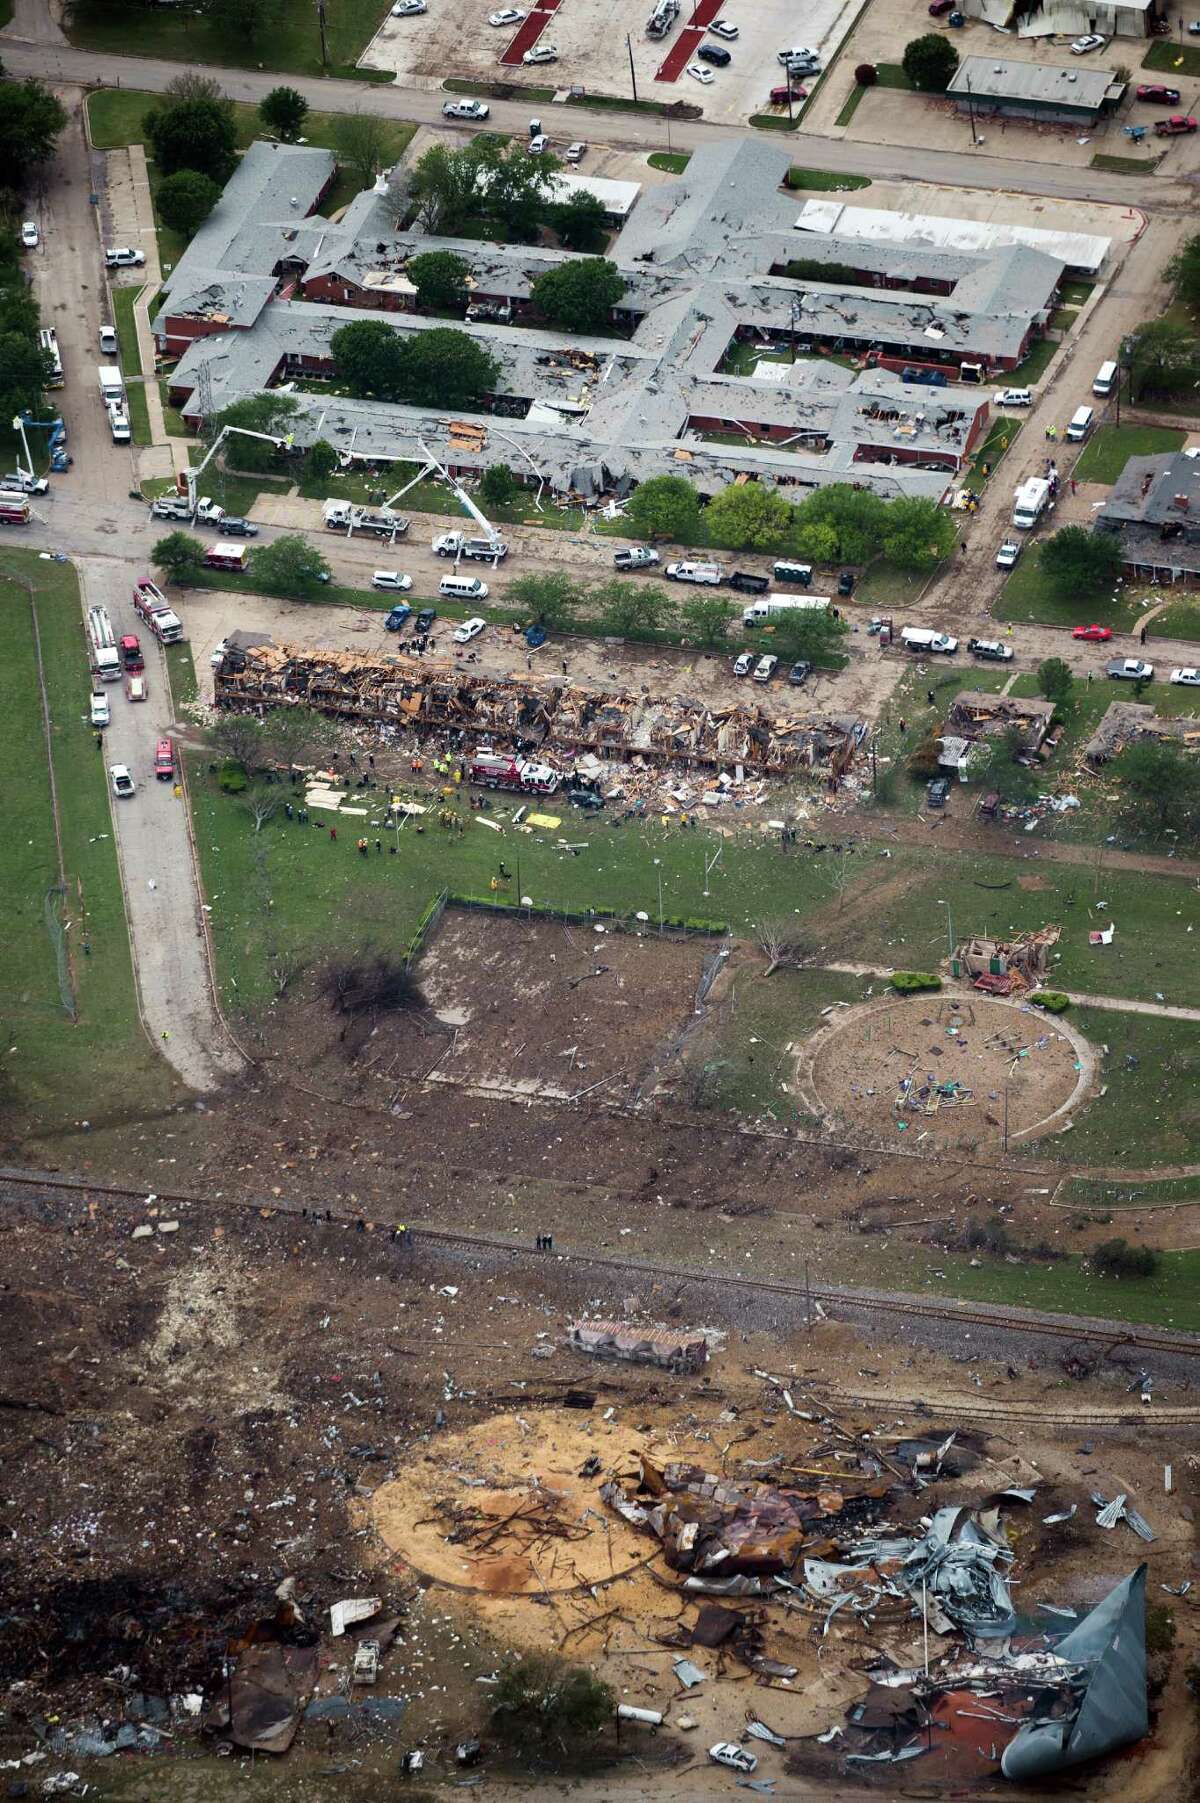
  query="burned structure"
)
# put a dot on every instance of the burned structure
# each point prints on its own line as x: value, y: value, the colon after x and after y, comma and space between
x: 437, y: 697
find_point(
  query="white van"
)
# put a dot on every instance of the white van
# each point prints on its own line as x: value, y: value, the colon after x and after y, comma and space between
x: 1106, y: 378
x: 1081, y: 424
x: 463, y: 588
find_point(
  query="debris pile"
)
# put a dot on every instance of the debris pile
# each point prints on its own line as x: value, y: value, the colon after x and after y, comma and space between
x: 433, y: 696
x: 670, y: 1350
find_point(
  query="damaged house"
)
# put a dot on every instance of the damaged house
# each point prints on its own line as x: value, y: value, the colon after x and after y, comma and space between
x: 1154, y: 509
x: 975, y: 717
x: 1124, y: 723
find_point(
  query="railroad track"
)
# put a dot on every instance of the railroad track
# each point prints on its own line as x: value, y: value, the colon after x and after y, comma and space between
x: 844, y: 1303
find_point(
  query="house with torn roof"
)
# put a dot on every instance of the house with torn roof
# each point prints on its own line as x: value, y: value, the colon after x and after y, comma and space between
x: 720, y: 364
x: 1154, y: 509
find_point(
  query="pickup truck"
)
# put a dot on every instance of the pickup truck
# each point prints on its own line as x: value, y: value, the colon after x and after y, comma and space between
x: 1174, y: 127
x: 634, y: 557
x: 1130, y: 669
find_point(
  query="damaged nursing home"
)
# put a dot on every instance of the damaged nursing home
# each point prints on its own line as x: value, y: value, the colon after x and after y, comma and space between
x: 750, y: 343
x: 427, y: 696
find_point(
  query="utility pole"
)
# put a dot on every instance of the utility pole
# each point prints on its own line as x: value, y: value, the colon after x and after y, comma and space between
x: 807, y: 1297
x: 632, y: 70
x: 971, y: 112
x: 1006, y: 1115
x: 321, y: 23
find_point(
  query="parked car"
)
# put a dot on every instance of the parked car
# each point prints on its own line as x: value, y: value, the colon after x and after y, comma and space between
x: 538, y: 144
x: 1014, y: 397
x: 765, y: 668
x: 1194, y: 28
x: 465, y: 109
x: 233, y: 526
x: 535, y: 636
x: 470, y: 629
x: 1008, y: 553
x: 939, y: 8
x: 1096, y: 635
x: 747, y: 583
x: 588, y: 799
x: 164, y: 761
x: 706, y: 573
x: 780, y: 96
x: 800, y: 672
x: 122, y: 257
x: 1154, y: 91
x: 846, y: 582
x: 992, y: 651
x: 29, y: 235
x: 1130, y: 669
x: 715, y: 54
x: 938, y: 792
x: 101, y: 713
x: 109, y: 345
x: 404, y: 9
x: 391, y: 579
x: 136, y: 688
x: 699, y: 73
x: 425, y: 618
x: 721, y: 28
x: 634, y: 557
x: 575, y: 153
x: 1090, y: 41
x: 1189, y: 676
x: 800, y: 53
x: 122, y: 783
x: 743, y: 663
x: 801, y: 65
x: 735, y: 1758
x: 541, y: 53
x: 397, y: 617
x: 508, y: 15
x: 1177, y: 126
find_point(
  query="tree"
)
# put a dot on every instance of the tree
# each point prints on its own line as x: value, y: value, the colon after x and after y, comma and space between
x: 856, y: 516
x: 1183, y: 271
x: 190, y: 86
x: 705, y: 619
x: 627, y: 608
x: 1055, y: 681
x: 320, y: 462
x: 250, y: 20
x: 538, y: 1699
x: 240, y: 739
x: 30, y: 121
x: 25, y: 370
x: 917, y: 533
x: 185, y: 200
x: 816, y: 541
x: 552, y: 598
x: 580, y: 221
x: 269, y: 412
x: 445, y: 368
x: 780, y: 942
x: 283, y: 111
x: 665, y: 507
x: 498, y: 485
x: 929, y: 62
x: 298, y: 735
x: 866, y: 75
x: 1078, y: 563
x: 579, y: 296
x: 261, y: 801
x: 290, y: 566
x: 445, y: 187
x: 193, y: 134
x: 178, y: 555
x: 440, y: 279
x: 1162, y: 780
x: 751, y: 517
x: 1161, y: 358
x: 368, y: 357
x: 1117, y: 1258
x: 810, y: 633
x: 361, y: 141
x: 515, y: 188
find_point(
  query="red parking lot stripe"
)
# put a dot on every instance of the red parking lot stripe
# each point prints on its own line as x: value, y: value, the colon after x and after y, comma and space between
x: 689, y: 40
x: 530, y: 31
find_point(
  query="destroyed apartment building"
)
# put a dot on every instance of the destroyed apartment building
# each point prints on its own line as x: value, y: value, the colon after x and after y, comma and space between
x: 430, y: 697
x: 1126, y: 723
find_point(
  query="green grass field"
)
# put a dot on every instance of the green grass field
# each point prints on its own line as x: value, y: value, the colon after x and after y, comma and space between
x: 1109, y: 449
x: 123, y: 302
x: 1172, y: 58
x: 182, y: 35
x: 139, y: 416
x: 1152, y: 1075
x: 749, y: 1060
x: 1027, y: 595
x: 1102, y: 1193
x: 100, y: 1064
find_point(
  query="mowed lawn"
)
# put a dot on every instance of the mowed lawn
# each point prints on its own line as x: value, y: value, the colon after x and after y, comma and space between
x: 115, y: 118
x: 1109, y: 449
x: 100, y: 1064
x: 181, y: 34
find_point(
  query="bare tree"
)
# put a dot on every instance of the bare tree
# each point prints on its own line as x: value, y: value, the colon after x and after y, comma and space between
x: 285, y: 969
x: 361, y: 140
x: 779, y: 943
x: 261, y: 804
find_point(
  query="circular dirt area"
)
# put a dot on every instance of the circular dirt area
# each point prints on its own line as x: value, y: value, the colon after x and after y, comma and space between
x: 935, y: 1069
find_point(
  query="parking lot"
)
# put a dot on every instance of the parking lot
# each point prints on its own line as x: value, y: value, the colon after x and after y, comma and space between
x: 595, y: 39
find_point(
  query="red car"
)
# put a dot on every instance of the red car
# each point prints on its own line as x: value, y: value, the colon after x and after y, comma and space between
x: 779, y: 96
x: 1097, y: 634
x: 937, y: 8
x: 1153, y: 90
x: 164, y: 761
x: 1176, y: 126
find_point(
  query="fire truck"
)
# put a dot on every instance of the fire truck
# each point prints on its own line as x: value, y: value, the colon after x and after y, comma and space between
x: 500, y: 770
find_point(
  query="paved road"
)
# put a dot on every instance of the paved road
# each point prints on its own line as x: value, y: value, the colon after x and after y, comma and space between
x: 90, y: 511
x: 623, y: 130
